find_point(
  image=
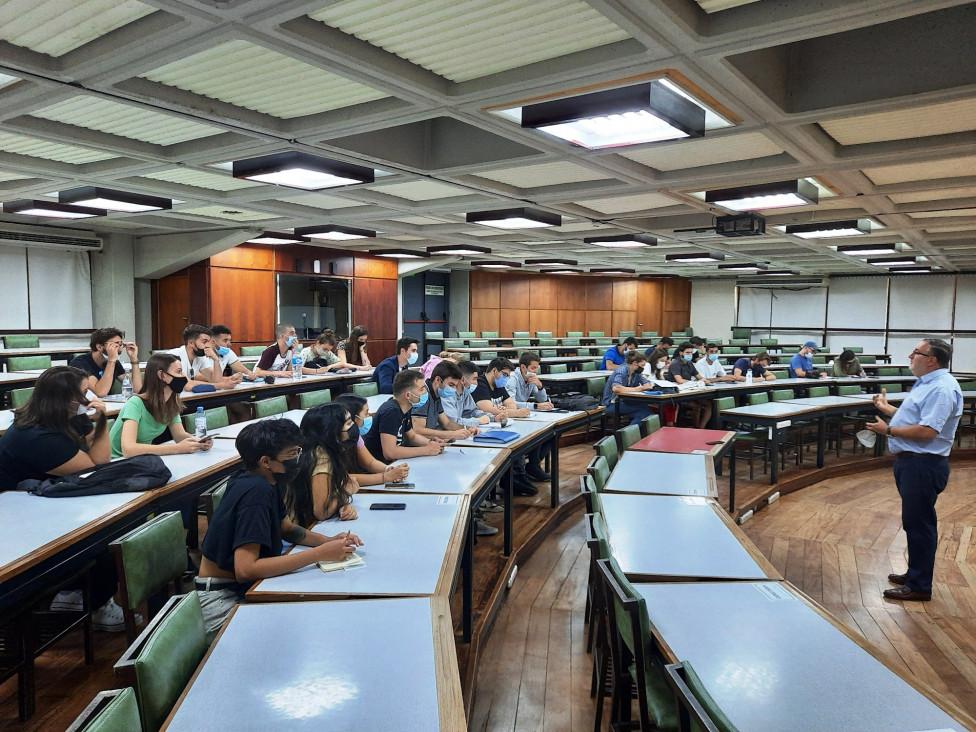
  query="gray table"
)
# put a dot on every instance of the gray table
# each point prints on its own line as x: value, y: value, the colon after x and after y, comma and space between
x: 457, y: 470
x: 663, y: 473
x: 360, y: 665
x: 788, y: 665
x: 657, y: 538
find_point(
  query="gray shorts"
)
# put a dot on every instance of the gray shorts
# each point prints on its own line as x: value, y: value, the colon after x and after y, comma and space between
x: 216, y: 606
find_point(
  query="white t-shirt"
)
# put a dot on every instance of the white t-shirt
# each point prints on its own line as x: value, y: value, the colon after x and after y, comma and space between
x: 227, y: 360
x: 709, y: 370
x: 191, y: 370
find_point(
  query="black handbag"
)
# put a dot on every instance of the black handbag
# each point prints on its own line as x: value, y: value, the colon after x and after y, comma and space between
x: 131, y: 475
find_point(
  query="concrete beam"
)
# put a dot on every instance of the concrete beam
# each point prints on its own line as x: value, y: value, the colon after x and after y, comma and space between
x: 159, y: 255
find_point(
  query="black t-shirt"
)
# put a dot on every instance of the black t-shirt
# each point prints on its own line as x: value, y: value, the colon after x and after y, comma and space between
x: 682, y: 368
x: 250, y: 512
x: 483, y: 390
x: 30, y: 452
x: 87, y: 364
x: 388, y: 420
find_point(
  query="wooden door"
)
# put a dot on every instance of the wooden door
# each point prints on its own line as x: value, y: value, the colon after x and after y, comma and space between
x: 171, y: 311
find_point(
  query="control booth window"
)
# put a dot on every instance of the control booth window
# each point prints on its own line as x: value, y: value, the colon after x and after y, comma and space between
x: 313, y: 304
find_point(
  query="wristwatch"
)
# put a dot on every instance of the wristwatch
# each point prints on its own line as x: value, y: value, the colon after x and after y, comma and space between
x: 888, y: 431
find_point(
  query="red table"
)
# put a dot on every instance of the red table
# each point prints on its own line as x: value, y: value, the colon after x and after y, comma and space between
x: 687, y: 440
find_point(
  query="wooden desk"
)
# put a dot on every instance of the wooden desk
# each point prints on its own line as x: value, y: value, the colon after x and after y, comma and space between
x: 250, y: 391
x: 788, y: 665
x: 359, y: 665
x: 411, y: 552
x: 657, y: 538
x: 663, y: 473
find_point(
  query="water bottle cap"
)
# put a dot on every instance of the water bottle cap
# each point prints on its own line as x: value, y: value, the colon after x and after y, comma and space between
x: 199, y: 409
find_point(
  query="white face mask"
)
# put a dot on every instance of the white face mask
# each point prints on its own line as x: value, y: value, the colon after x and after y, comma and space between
x: 323, y: 351
x: 660, y: 364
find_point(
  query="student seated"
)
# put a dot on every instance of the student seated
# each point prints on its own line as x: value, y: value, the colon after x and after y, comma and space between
x: 197, y: 366
x: 431, y: 362
x: 757, y: 364
x: 365, y: 468
x: 801, y: 365
x: 429, y: 418
x: 847, y: 364
x: 406, y: 356
x: 392, y: 436
x: 157, y: 406
x: 665, y: 344
x: 220, y: 352
x: 682, y: 371
x: 244, y: 540
x: 615, y: 355
x: 276, y: 359
x: 711, y: 369
x: 525, y: 388
x: 629, y: 379
x: 320, y: 358
x: 53, y: 435
x: 657, y: 368
x: 323, y: 488
x: 460, y: 407
x: 103, y: 363
x: 353, y: 349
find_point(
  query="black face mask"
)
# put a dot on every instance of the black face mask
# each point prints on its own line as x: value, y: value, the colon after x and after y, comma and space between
x: 178, y: 384
x: 82, y: 424
x: 198, y: 352
x: 353, y: 436
x: 291, y: 471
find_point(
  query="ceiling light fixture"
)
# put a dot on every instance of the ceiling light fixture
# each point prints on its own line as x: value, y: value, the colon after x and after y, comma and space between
x: 830, y: 229
x: 630, y: 115
x: 909, y: 270
x: 765, y: 195
x: 622, y: 241
x: 458, y: 250
x: 298, y: 170
x: 333, y: 232
x: 695, y: 257
x: 550, y: 261
x: 399, y: 253
x: 867, y: 250
x: 515, y: 218
x: 110, y: 200
x: 277, y: 237
x: 744, y: 267
x: 777, y: 273
x: 496, y: 264
x: 561, y: 271
x: 891, y: 261
x: 51, y: 210
x: 612, y: 270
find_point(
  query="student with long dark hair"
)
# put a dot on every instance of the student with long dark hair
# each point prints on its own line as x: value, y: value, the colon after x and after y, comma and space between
x: 364, y: 467
x: 353, y: 349
x: 323, y: 487
x: 157, y: 406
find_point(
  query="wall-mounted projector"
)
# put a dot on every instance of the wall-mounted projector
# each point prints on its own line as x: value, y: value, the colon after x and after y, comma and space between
x: 746, y: 224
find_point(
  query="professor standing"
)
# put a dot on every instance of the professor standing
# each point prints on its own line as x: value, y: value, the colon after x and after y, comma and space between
x: 920, y: 435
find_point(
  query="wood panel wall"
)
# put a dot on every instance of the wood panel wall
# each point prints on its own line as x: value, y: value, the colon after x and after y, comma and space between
x: 237, y: 288
x: 510, y: 301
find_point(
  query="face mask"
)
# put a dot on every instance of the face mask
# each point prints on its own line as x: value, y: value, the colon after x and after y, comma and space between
x: 82, y: 424
x: 198, y: 352
x: 446, y: 392
x: 412, y: 358
x: 713, y: 357
x: 470, y: 388
x: 178, y: 384
x: 423, y: 400
x: 687, y: 357
x: 353, y: 438
x: 223, y: 351
x: 323, y: 352
x: 367, y: 423
x: 82, y: 409
x: 660, y: 364
x: 290, y: 341
x: 501, y: 381
x: 291, y: 470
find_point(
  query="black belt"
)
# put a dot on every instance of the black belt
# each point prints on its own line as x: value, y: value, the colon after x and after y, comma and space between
x: 215, y: 584
x: 905, y: 454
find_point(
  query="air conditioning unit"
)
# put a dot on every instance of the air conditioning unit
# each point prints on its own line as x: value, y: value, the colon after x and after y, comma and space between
x: 73, y: 240
x: 783, y: 283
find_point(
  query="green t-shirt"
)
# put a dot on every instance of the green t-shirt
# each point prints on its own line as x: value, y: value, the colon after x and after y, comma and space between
x: 149, y: 428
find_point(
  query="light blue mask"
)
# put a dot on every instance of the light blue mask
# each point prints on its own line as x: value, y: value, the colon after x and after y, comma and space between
x: 423, y: 400
x: 290, y: 341
x: 412, y: 358
x: 447, y: 392
x: 223, y: 351
x: 501, y: 381
x: 367, y: 423
x: 470, y: 388
x: 713, y: 357
x: 688, y: 357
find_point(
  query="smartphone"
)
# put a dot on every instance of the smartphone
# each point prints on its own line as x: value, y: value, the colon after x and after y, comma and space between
x: 400, y: 485
x: 388, y: 507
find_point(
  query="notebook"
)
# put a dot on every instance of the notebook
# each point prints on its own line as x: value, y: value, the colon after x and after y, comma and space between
x: 497, y: 437
x: 353, y: 560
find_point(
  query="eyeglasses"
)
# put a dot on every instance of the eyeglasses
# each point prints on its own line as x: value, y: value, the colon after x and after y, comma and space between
x: 362, y: 343
x: 292, y: 456
x: 916, y: 352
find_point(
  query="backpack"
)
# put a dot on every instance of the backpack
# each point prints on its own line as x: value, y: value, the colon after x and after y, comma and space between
x: 139, y: 473
x: 576, y: 402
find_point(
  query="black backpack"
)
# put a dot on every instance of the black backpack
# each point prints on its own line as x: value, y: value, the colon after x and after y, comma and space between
x: 139, y: 473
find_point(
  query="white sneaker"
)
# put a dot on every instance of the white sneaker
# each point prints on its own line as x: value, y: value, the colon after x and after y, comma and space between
x: 70, y: 600
x: 109, y: 618
x: 491, y: 506
x: 483, y: 529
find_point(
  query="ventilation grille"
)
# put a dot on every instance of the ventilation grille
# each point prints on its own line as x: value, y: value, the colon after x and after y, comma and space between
x: 68, y: 242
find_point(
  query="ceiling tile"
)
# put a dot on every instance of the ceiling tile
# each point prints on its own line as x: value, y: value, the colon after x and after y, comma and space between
x: 33, y: 147
x: 421, y: 220
x: 229, y: 212
x: 918, y: 196
x: 5, y: 176
x: 254, y: 77
x: 468, y: 39
x: 545, y: 174
x: 623, y: 204
x: 714, y: 6
x: 319, y: 200
x: 125, y: 120
x: 931, y: 119
x: 948, y: 168
x: 202, y: 179
x: 944, y: 214
x: 706, y: 151
x: 423, y: 190
x: 55, y: 27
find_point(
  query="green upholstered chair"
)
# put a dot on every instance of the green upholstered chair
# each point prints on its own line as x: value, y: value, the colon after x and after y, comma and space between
x: 521, y: 334
x: 759, y: 398
x: 626, y: 334
x: 649, y: 334
x: 211, y: 498
x: 148, y: 559
x: 433, y: 334
x: 489, y: 334
x: 594, y: 613
x: 543, y: 334
x: 818, y: 359
x: 21, y: 341
x: 20, y: 397
x: 548, y: 353
x: 162, y: 660
x: 893, y: 388
x: 848, y: 390
x: 521, y: 342
x: 570, y: 341
x: 602, y: 341
x: 588, y: 366
x: 650, y: 424
x: 488, y: 355
x: 558, y: 368
x: 599, y: 470
x: 680, y: 334
x: 607, y: 447
x: 478, y: 343
x: 750, y: 444
x: 269, y: 407
x: 110, y: 711
x: 595, y: 386
x: 548, y: 342
x: 467, y: 334
x: 595, y: 333
x: 366, y: 388
x: 906, y: 371
x: 853, y: 349
x: 26, y: 363
x: 731, y: 349
x: 862, y: 358
x: 697, y: 710
x: 627, y: 436
x: 309, y: 399
x: 738, y: 341
x: 889, y: 371
x: 216, y: 418
x: 818, y: 391
x: 742, y: 333
x: 783, y: 395
x: 574, y: 334
x: 252, y: 350
x: 769, y: 341
x: 635, y: 663
x: 453, y: 343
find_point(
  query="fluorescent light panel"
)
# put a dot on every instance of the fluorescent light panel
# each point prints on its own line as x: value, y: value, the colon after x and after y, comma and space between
x: 399, y: 254
x: 298, y: 170
x: 891, y: 261
x: 695, y: 257
x: 867, y: 250
x: 765, y: 195
x: 549, y: 261
x: 830, y: 229
x: 561, y: 270
x: 110, y: 200
x: 744, y: 267
x: 459, y: 250
x: 334, y: 232
x: 51, y: 210
x: 612, y: 270
x: 909, y: 270
x: 623, y: 241
x: 277, y: 237
x: 496, y: 264
x: 515, y: 218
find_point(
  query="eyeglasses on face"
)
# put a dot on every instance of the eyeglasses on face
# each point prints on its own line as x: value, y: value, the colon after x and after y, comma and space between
x: 917, y: 352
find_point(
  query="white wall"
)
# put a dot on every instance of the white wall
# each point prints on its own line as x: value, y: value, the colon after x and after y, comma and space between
x: 713, y: 308
x: 459, y: 302
x: 113, y: 286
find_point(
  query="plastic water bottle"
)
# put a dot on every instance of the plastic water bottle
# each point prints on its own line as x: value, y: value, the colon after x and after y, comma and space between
x: 200, y: 423
x: 749, y: 377
x: 126, y: 387
x: 296, y: 367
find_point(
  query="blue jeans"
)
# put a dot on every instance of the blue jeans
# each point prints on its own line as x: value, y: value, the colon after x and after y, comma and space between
x: 920, y: 479
x: 636, y: 413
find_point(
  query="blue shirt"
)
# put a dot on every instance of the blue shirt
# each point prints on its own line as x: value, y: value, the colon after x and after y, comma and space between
x: 799, y: 361
x: 613, y: 356
x: 935, y: 401
x: 621, y: 376
x: 745, y: 363
x: 384, y: 373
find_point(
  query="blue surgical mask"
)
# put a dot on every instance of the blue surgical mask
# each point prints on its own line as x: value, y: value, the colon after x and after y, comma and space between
x: 687, y: 357
x: 447, y: 392
x: 713, y: 357
x: 412, y: 358
x: 222, y: 351
x: 501, y: 381
x: 290, y: 341
x: 423, y: 400
x: 367, y: 423
x: 470, y: 388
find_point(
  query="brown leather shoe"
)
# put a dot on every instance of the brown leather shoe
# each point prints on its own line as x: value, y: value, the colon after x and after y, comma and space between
x: 897, y: 579
x: 907, y: 593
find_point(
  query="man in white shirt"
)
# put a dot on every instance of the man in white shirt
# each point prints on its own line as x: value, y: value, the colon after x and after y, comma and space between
x: 710, y: 367
x: 224, y: 354
x: 198, y: 367
x: 524, y: 387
